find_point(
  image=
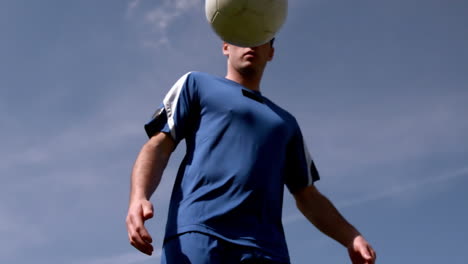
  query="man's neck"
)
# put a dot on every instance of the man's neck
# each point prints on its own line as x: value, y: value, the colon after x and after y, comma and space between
x: 250, y: 81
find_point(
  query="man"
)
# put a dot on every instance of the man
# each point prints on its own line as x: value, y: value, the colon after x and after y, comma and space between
x: 241, y: 151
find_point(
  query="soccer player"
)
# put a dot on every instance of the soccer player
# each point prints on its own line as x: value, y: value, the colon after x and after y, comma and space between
x: 242, y: 149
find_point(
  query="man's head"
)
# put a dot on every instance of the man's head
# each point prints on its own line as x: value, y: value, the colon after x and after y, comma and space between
x: 248, y: 61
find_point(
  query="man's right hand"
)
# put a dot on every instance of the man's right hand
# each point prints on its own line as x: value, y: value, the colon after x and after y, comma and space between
x: 138, y: 213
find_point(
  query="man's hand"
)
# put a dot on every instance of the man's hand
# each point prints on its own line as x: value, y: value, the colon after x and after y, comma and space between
x: 146, y: 175
x: 138, y: 213
x: 360, y: 252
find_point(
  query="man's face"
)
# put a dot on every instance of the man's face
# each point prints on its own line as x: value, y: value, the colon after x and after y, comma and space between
x: 248, y: 60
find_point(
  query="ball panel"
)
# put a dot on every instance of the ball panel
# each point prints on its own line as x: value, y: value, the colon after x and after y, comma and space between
x: 251, y: 34
x: 210, y: 10
x: 246, y: 23
x: 231, y: 7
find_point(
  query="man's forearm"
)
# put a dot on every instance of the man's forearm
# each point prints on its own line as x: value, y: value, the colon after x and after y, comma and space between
x: 149, y: 167
x: 323, y: 214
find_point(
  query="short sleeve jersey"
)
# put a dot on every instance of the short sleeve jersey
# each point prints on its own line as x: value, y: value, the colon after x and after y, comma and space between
x: 242, y: 149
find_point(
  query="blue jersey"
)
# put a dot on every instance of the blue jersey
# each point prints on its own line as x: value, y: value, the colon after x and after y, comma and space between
x: 242, y: 149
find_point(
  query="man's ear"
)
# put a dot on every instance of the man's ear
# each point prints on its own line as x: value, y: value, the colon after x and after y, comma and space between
x: 225, y: 49
x: 272, y: 54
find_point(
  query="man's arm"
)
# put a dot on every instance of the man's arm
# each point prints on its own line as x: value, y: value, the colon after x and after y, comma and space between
x: 146, y: 175
x: 323, y: 214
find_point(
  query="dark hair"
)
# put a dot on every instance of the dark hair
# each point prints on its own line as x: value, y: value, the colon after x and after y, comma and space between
x: 272, y: 41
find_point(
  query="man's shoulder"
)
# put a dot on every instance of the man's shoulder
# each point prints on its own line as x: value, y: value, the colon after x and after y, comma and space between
x: 200, y: 80
x: 194, y: 80
x: 197, y: 75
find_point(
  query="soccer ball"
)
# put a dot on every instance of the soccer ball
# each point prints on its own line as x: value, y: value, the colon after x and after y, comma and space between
x: 246, y: 23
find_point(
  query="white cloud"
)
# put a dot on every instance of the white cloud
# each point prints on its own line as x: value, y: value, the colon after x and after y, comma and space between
x: 160, y: 18
x: 392, y: 192
x: 415, y: 187
x: 389, y: 133
x: 133, y: 5
x: 72, y: 141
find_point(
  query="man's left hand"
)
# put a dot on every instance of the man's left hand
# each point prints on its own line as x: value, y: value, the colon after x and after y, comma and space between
x: 361, y: 252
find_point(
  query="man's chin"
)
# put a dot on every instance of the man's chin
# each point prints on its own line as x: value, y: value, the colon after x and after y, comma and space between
x: 249, y: 70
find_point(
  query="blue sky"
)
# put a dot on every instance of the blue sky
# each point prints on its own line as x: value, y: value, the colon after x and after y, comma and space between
x: 380, y: 89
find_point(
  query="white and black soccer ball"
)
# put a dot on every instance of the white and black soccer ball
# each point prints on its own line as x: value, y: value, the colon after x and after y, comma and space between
x: 246, y: 23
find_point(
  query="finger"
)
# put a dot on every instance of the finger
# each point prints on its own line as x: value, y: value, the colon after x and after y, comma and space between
x: 142, y: 246
x: 147, y: 210
x: 138, y: 235
x: 365, y: 253
x: 354, y: 256
x: 373, y: 254
x: 139, y: 243
x: 144, y: 234
x: 140, y: 226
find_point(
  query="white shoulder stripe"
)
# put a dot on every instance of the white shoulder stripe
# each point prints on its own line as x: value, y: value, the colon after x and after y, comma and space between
x: 171, y: 100
x: 309, y: 164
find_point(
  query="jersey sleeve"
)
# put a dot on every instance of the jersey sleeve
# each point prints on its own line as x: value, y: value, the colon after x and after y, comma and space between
x: 173, y: 116
x: 300, y: 168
